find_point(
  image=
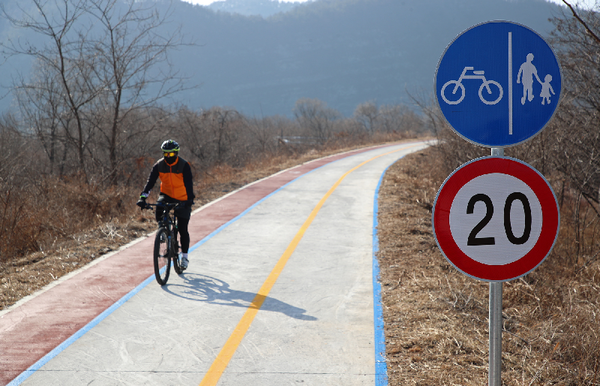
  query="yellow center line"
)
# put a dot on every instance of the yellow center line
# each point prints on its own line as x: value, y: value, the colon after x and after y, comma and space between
x: 222, y: 360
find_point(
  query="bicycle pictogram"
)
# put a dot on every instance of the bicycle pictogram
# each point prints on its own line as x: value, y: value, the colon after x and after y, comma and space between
x: 485, y: 84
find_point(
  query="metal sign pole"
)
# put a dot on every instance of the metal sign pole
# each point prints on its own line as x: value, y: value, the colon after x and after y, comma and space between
x: 495, y: 327
x: 494, y: 378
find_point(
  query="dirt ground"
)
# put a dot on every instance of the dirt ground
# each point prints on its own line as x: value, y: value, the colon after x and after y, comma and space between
x: 435, y: 321
x: 435, y: 317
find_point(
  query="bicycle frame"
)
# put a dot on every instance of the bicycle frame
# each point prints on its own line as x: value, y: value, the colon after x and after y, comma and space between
x: 476, y: 75
x: 167, y: 221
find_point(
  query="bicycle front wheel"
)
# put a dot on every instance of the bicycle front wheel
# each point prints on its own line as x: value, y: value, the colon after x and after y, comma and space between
x: 162, y: 260
x: 493, y: 95
x: 176, y: 265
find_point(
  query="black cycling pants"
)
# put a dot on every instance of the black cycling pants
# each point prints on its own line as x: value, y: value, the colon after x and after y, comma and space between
x: 184, y: 235
x: 183, y: 218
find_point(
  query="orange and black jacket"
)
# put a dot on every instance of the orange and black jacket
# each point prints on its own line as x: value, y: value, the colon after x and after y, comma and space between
x: 175, y: 179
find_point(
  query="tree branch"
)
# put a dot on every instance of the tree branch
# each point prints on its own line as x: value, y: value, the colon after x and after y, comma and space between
x: 587, y: 28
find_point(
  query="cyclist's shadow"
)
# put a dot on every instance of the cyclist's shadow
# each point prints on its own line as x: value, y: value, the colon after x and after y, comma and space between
x: 211, y: 290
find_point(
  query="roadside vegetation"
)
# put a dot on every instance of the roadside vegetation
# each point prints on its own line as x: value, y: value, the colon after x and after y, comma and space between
x: 436, y: 318
x: 55, y: 218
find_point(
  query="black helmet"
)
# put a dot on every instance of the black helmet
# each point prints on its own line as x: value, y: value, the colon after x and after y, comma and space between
x: 169, y: 145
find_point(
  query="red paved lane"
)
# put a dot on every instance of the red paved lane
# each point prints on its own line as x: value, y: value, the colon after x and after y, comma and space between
x: 31, y: 330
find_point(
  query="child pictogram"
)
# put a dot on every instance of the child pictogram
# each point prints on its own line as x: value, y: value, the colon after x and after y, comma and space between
x: 547, y: 89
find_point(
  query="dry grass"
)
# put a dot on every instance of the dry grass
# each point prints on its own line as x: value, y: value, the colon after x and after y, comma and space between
x: 436, y: 319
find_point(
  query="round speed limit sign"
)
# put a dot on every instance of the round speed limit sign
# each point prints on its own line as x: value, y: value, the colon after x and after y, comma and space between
x: 495, y: 218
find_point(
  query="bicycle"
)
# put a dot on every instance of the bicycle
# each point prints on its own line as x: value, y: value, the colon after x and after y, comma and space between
x: 166, y: 247
x: 476, y: 75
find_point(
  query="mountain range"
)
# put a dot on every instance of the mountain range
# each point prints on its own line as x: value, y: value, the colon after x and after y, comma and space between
x: 264, y: 8
x: 259, y: 56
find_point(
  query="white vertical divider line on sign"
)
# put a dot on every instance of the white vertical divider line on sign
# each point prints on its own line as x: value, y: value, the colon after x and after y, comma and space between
x: 510, y: 86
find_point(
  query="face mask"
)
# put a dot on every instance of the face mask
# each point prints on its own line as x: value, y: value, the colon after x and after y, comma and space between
x: 171, y: 160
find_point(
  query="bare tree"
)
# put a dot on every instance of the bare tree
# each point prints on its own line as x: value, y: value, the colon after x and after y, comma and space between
x: 576, y: 153
x: 264, y: 133
x: 98, y: 66
x: 399, y: 118
x: 41, y: 106
x: 60, y: 59
x: 213, y: 136
x: 367, y: 114
x: 129, y: 46
x: 222, y: 124
x: 433, y: 117
x: 316, y: 117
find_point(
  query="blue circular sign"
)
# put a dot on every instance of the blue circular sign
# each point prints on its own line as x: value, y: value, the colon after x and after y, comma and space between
x: 498, y: 84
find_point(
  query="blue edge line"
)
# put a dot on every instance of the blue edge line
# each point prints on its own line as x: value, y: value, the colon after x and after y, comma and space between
x: 381, y: 377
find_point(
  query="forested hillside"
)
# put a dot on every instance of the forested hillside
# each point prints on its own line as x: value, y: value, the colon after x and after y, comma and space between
x: 342, y: 52
x: 263, y: 8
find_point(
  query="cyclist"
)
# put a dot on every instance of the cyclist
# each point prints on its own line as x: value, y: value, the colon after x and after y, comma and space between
x: 176, y: 186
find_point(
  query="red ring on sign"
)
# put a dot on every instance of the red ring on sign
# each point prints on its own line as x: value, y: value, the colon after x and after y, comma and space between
x: 520, y: 170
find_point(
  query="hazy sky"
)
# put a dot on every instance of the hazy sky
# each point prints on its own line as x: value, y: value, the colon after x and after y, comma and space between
x: 584, y: 3
x: 207, y: 2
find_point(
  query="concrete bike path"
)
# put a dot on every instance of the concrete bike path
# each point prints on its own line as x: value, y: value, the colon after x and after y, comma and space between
x: 171, y: 335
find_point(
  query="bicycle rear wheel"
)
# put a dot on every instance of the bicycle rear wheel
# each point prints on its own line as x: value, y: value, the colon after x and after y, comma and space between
x: 162, y: 261
x: 175, y: 249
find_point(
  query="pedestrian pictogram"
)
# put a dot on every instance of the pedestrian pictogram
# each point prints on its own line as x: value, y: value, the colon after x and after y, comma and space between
x: 498, y: 84
x: 495, y: 218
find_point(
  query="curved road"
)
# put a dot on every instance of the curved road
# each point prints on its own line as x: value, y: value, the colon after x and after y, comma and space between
x: 279, y: 291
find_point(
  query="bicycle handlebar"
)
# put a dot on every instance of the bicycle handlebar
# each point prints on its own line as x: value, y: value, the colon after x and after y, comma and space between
x: 168, y: 205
